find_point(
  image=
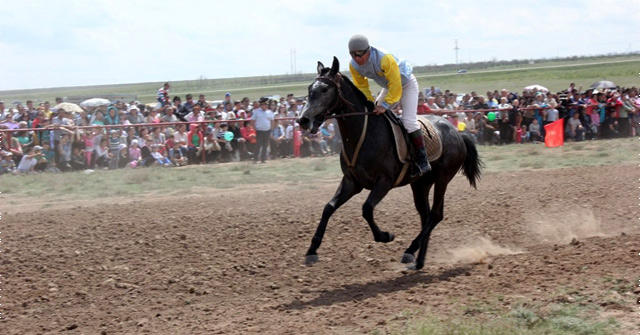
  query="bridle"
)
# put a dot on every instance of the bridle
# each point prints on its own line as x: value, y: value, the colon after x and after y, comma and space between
x: 340, y: 99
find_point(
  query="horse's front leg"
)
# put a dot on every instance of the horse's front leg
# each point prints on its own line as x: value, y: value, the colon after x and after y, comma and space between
x: 378, y: 192
x: 347, y: 189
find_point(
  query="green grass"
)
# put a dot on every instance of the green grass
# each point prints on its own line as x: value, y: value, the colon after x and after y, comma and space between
x: 290, y: 172
x: 537, y: 156
x: 556, y: 77
x: 486, y: 319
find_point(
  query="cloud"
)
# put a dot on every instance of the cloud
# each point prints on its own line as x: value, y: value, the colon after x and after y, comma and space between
x: 75, y: 42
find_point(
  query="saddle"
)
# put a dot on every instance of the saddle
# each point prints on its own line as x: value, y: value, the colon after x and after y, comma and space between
x: 404, y: 147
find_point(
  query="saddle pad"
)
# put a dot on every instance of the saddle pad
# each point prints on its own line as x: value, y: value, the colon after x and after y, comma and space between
x: 401, y: 144
x: 432, y: 141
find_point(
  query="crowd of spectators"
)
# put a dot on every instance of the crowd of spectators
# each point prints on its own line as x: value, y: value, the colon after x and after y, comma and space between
x: 504, y: 117
x: 167, y: 133
x: 173, y: 132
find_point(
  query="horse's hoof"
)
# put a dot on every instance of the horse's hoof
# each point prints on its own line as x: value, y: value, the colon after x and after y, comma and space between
x: 414, y: 267
x: 385, y: 237
x: 407, y: 259
x: 310, y: 259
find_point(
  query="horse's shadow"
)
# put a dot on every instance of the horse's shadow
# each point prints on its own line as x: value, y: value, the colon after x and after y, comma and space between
x: 356, y: 292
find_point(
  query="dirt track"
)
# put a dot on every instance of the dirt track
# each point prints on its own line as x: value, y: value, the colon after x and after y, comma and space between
x: 231, y: 262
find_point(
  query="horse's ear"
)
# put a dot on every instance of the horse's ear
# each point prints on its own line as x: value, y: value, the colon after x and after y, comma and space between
x: 320, y: 68
x: 335, y: 67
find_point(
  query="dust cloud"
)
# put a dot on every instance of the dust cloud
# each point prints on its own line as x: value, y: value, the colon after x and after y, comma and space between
x: 477, y: 251
x: 562, y: 224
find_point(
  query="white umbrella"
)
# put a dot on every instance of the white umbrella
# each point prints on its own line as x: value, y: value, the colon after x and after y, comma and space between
x: 536, y: 87
x: 68, y: 107
x: 95, y: 102
x: 603, y: 84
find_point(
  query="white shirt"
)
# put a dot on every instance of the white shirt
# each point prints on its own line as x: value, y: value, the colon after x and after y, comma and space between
x: 26, y: 164
x: 288, y: 133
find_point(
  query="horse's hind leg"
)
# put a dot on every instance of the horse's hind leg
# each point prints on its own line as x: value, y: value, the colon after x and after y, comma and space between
x: 421, y: 200
x: 378, y: 192
x: 346, y: 190
x: 435, y: 216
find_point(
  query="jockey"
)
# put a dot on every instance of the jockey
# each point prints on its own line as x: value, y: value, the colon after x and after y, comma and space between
x: 398, y: 85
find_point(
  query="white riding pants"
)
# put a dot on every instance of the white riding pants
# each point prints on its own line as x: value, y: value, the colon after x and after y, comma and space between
x: 409, y: 101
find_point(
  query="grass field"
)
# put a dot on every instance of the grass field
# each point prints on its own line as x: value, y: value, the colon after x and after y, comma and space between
x: 206, y: 178
x: 556, y: 75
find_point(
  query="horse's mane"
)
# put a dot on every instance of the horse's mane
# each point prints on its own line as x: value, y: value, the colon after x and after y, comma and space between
x: 359, y: 95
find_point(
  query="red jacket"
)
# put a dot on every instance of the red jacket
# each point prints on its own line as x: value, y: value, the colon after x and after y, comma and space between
x: 249, y: 134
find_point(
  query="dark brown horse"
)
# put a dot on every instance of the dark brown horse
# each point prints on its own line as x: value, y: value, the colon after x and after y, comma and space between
x: 376, y: 166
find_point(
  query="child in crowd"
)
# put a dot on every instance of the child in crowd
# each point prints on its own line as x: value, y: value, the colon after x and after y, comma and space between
x: 534, y: 131
x: 102, y: 154
x: 50, y: 155
x: 7, y: 165
x: 160, y: 159
x: 87, y: 138
x: 176, y: 156
x: 134, y: 154
x: 123, y: 160
x: 521, y: 134
x: 32, y: 161
x: 114, y: 149
x: 78, y: 161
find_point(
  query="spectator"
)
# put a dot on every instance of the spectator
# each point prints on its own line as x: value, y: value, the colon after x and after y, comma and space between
x: 202, y: 102
x: 423, y: 108
x: 114, y: 148
x: 186, y: 108
x: 195, y: 141
x: 159, y: 158
x: 262, y: 119
x: 163, y: 95
x: 32, y: 160
x: 195, y: 115
x: 176, y: 155
x: 7, y: 165
x: 250, y: 138
x: 78, y: 161
x: 535, y: 134
x: 64, y: 153
x: 134, y: 154
x: 575, y: 131
x: 431, y: 103
x: 506, y: 130
x: 278, y: 139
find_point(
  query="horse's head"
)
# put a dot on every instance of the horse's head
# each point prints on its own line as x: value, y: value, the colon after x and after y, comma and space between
x: 323, y: 97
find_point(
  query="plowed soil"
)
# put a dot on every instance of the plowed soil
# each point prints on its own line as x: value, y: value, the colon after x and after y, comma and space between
x: 231, y: 261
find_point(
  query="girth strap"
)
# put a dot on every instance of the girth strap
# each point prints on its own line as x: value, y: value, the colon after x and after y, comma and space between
x: 351, y: 163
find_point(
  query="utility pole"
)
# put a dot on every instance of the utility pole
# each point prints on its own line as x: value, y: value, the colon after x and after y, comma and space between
x: 294, y: 61
x: 456, y: 49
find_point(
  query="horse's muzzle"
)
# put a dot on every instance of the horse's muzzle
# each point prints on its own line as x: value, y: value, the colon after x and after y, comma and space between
x: 304, y: 122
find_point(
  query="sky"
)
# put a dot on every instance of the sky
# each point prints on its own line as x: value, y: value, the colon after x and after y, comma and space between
x: 74, y: 43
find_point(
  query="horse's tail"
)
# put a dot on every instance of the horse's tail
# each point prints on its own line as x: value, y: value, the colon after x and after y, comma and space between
x: 472, y: 162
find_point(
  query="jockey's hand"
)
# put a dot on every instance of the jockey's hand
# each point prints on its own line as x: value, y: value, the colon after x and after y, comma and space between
x: 379, y: 110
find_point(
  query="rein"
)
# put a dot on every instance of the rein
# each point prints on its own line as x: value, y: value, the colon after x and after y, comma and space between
x: 351, y: 162
x: 340, y: 99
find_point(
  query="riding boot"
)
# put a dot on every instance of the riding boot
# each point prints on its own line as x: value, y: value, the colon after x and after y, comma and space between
x: 420, y: 153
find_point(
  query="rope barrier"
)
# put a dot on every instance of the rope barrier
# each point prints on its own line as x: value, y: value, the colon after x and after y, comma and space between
x: 135, y: 125
x: 165, y: 124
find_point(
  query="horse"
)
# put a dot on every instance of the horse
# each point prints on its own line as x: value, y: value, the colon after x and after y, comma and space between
x: 370, y: 162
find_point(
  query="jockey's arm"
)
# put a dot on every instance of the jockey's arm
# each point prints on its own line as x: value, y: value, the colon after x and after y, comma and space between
x: 392, y: 74
x: 361, y: 82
